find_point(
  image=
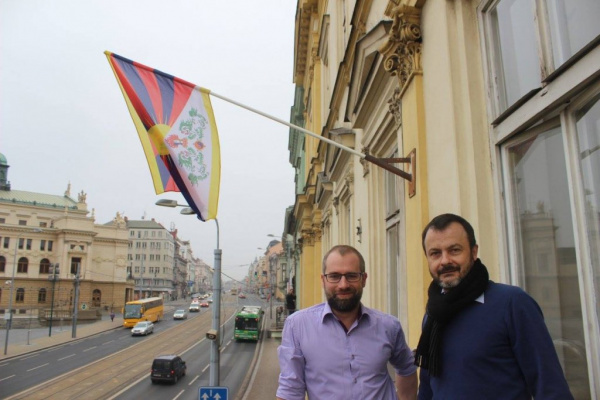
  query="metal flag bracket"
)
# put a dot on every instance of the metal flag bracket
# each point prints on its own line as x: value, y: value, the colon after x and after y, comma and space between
x: 411, y: 160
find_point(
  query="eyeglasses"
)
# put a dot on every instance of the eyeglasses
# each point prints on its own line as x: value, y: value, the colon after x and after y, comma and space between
x: 350, y: 277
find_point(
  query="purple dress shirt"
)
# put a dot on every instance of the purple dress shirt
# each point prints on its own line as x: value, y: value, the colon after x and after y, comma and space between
x: 319, y: 357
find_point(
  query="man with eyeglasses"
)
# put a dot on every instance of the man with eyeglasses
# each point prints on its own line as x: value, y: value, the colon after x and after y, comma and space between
x: 340, y: 349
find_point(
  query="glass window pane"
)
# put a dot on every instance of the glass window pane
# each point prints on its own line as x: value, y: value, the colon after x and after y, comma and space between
x: 573, y: 24
x: 588, y: 134
x: 517, y: 49
x: 546, y: 247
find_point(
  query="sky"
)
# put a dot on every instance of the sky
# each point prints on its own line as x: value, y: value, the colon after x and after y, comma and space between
x: 63, y: 118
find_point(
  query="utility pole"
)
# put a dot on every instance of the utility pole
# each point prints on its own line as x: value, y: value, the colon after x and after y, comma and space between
x: 76, y: 301
x: 53, y: 278
x: 214, y: 375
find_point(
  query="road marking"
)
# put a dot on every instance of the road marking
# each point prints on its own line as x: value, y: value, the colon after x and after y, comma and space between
x: 179, y: 394
x: 205, y: 368
x: 90, y: 348
x: 43, y: 365
x: 60, y: 359
x: 8, y: 377
x: 194, y: 380
x: 4, y: 365
x: 110, y: 341
x: 26, y: 358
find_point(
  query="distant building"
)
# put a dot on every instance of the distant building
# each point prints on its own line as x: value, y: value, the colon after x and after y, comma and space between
x: 151, y: 259
x: 39, y: 232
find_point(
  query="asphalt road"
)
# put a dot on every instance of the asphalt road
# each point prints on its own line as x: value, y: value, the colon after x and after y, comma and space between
x: 116, y: 365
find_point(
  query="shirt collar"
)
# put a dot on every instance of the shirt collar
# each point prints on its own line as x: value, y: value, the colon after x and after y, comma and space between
x: 481, y: 298
x: 364, y: 311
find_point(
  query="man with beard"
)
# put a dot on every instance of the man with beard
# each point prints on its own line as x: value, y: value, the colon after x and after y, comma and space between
x: 480, y: 339
x: 340, y: 349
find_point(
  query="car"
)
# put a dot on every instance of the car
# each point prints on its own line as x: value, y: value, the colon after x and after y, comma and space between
x: 263, y: 296
x: 210, y: 300
x: 194, y: 307
x: 167, y: 368
x: 242, y: 296
x: 180, y: 314
x: 142, y: 328
x: 204, y: 304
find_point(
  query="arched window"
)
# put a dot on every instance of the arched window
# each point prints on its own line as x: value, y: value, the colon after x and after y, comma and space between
x: 45, y: 266
x: 96, y: 298
x: 20, y: 295
x: 42, y: 295
x: 2, y: 263
x: 22, y: 265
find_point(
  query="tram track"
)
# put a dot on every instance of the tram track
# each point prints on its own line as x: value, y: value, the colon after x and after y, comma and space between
x: 113, y: 373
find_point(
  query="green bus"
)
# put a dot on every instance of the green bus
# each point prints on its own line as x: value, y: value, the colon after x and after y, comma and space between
x: 248, y: 323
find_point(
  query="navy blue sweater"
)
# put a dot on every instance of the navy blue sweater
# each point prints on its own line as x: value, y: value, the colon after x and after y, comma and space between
x: 500, y: 349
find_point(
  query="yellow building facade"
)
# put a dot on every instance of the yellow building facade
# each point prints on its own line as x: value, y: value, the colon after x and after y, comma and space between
x: 497, y: 104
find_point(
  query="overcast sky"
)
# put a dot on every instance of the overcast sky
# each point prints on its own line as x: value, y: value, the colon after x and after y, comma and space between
x: 63, y: 118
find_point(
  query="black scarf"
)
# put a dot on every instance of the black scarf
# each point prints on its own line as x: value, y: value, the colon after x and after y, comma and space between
x: 441, y: 308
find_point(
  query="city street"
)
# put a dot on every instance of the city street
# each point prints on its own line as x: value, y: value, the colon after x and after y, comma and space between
x: 84, y: 367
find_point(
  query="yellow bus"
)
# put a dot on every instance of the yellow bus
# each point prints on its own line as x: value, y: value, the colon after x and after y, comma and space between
x: 150, y: 309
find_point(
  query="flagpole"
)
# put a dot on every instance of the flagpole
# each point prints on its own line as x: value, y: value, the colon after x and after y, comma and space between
x: 281, y: 121
x: 383, y: 163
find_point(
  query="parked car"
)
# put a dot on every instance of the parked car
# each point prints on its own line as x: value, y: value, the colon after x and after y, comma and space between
x: 167, y: 368
x: 263, y: 296
x: 142, y: 328
x: 242, y: 296
x: 180, y: 314
x: 209, y: 300
x: 204, y: 304
x: 194, y: 307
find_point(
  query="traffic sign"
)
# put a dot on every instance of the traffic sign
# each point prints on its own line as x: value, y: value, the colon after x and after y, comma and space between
x: 213, y: 393
x: 83, y: 306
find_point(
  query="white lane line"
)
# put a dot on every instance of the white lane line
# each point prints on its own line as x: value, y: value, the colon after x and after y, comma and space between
x: 8, y: 377
x: 27, y: 358
x: 194, y: 380
x: 90, y: 348
x: 60, y: 359
x: 110, y: 341
x: 40, y: 366
x: 179, y: 394
x: 4, y: 365
x: 205, y: 368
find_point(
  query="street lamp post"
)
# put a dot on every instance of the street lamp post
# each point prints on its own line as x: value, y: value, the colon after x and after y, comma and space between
x: 53, y: 278
x: 12, y: 286
x: 216, y: 310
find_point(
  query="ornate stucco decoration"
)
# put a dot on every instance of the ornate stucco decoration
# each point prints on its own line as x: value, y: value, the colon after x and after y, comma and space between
x: 308, y: 237
x: 395, y: 106
x: 318, y: 232
x: 402, y: 51
x: 365, y: 164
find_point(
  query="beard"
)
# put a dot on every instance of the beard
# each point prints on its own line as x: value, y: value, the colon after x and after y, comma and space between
x: 453, y: 283
x: 344, y: 305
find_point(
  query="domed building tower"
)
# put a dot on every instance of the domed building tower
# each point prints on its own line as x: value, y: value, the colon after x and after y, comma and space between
x: 4, y: 183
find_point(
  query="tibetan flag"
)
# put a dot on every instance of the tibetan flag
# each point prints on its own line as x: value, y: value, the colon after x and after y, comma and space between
x: 177, y: 128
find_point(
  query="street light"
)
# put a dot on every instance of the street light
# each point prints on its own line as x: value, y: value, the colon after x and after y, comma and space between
x: 55, y: 271
x: 12, y: 286
x: 216, y: 310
